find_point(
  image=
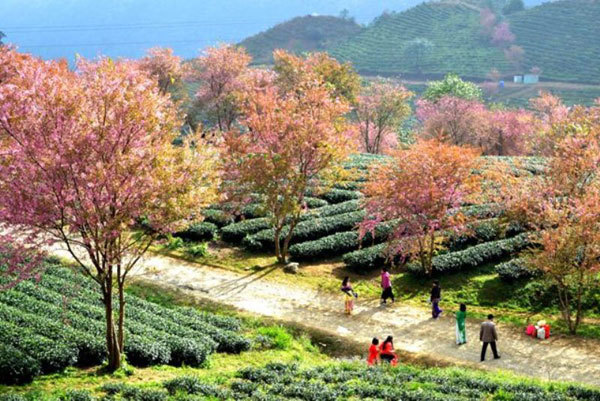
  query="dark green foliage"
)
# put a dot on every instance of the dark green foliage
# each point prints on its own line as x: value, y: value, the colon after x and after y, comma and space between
x: 513, y: 6
x: 16, y: 367
x: 516, y: 269
x: 475, y: 256
x: 367, y: 259
x: 60, y: 322
x: 12, y: 397
x: 335, y: 195
x: 77, y: 395
x: 218, y: 217
x: 299, y: 35
x: 237, y: 231
x: 305, y: 230
x: 204, y: 231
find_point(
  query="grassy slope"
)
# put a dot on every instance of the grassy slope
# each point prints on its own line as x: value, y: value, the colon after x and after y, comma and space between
x: 301, y: 34
x: 562, y: 38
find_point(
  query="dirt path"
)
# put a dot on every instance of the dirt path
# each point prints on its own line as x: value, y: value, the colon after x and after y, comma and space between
x: 564, y: 359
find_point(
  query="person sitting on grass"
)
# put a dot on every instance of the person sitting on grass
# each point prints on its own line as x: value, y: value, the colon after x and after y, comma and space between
x: 386, y: 351
x: 373, y: 358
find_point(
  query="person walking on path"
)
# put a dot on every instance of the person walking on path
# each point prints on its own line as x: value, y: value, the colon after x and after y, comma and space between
x: 436, y: 296
x: 488, y: 335
x: 386, y: 351
x: 373, y: 352
x: 461, y: 331
x: 386, y: 285
x: 349, y: 295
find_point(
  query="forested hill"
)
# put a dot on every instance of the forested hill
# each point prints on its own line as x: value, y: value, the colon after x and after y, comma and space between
x: 301, y: 34
x: 561, y: 38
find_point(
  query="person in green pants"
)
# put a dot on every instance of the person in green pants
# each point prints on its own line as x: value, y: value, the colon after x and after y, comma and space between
x: 461, y: 330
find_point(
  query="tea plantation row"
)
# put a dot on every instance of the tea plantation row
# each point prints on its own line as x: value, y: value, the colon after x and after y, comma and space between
x: 341, y: 381
x: 59, y: 322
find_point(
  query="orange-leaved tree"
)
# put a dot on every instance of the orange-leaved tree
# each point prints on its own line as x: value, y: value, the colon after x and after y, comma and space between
x: 290, y: 136
x: 421, y: 190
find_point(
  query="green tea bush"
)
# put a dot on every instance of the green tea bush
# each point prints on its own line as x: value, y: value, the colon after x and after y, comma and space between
x: 305, y: 230
x: 197, y: 250
x: 203, y: 231
x: 59, y: 322
x: 16, y: 367
x: 516, y: 269
x: 279, y: 336
x: 77, y: 395
x: 475, y: 256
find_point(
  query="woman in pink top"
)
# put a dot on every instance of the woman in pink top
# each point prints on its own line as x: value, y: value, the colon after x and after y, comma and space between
x: 386, y: 285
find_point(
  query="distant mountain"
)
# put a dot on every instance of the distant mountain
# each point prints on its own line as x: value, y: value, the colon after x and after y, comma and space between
x: 126, y: 28
x: 301, y: 34
x: 562, y: 38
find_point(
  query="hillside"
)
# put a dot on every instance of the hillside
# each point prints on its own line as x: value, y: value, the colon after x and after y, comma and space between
x: 562, y: 38
x: 301, y: 34
x: 452, y: 29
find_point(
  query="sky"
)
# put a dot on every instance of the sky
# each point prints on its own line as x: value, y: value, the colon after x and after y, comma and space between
x: 127, y: 28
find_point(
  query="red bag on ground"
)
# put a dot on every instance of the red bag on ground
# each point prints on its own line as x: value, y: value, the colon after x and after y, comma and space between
x: 530, y: 330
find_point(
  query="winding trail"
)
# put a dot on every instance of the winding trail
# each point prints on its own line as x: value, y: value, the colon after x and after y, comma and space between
x: 559, y: 358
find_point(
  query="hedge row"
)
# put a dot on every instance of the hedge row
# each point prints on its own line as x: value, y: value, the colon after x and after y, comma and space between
x: 338, y: 381
x: 475, y: 256
x: 305, y: 230
x: 334, y: 195
x: 203, y: 231
x: 516, y: 269
x: 338, y: 243
x: 373, y: 257
x: 60, y: 322
x: 218, y: 217
x: 237, y: 231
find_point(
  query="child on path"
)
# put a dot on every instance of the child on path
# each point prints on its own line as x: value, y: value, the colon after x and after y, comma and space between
x: 461, y: 331
x: 386, y: 285
x: 349, y: 295
x: 436, y: 296
x: 387, y: 353
x: 373, y: 352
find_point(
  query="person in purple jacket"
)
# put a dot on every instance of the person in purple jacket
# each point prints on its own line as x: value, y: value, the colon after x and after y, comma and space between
x: 386, y: 285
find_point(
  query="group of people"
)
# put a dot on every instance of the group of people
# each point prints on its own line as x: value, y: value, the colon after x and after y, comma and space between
x: 384, y: 352
x: 487, y: 334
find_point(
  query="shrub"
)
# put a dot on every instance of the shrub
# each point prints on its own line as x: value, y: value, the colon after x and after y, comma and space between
x: 185, y: 351
x: 279, y: 336
x: 306, y: 230
x: 475, y: 256
x: 237, y: 231
x: 174, y: 243
x: 516, y: 269
x: 366, y: 259
x: 77, y: 395
x: 184, y: 384
x: 12, y: 397
x: 204, y: 231
x: 217, y: 217
x: 142, y: 351
x: 335, y: 195
x: 197, y: 250
x: 313, y: 203
x: 16, y: 367
x: 52, y: 356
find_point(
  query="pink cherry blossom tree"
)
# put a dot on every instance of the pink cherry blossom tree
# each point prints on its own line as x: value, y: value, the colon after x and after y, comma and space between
x: 380, y: 110
x: 85, y: 155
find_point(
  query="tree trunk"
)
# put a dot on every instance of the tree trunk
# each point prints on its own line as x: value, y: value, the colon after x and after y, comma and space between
x: 286, y: 241
x: 277, y: 234
x: 121, y: 323
x: 112, y: 344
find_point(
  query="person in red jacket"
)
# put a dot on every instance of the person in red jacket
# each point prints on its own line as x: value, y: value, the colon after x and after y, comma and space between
x: 373, y: 352
x: 386, y: 351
